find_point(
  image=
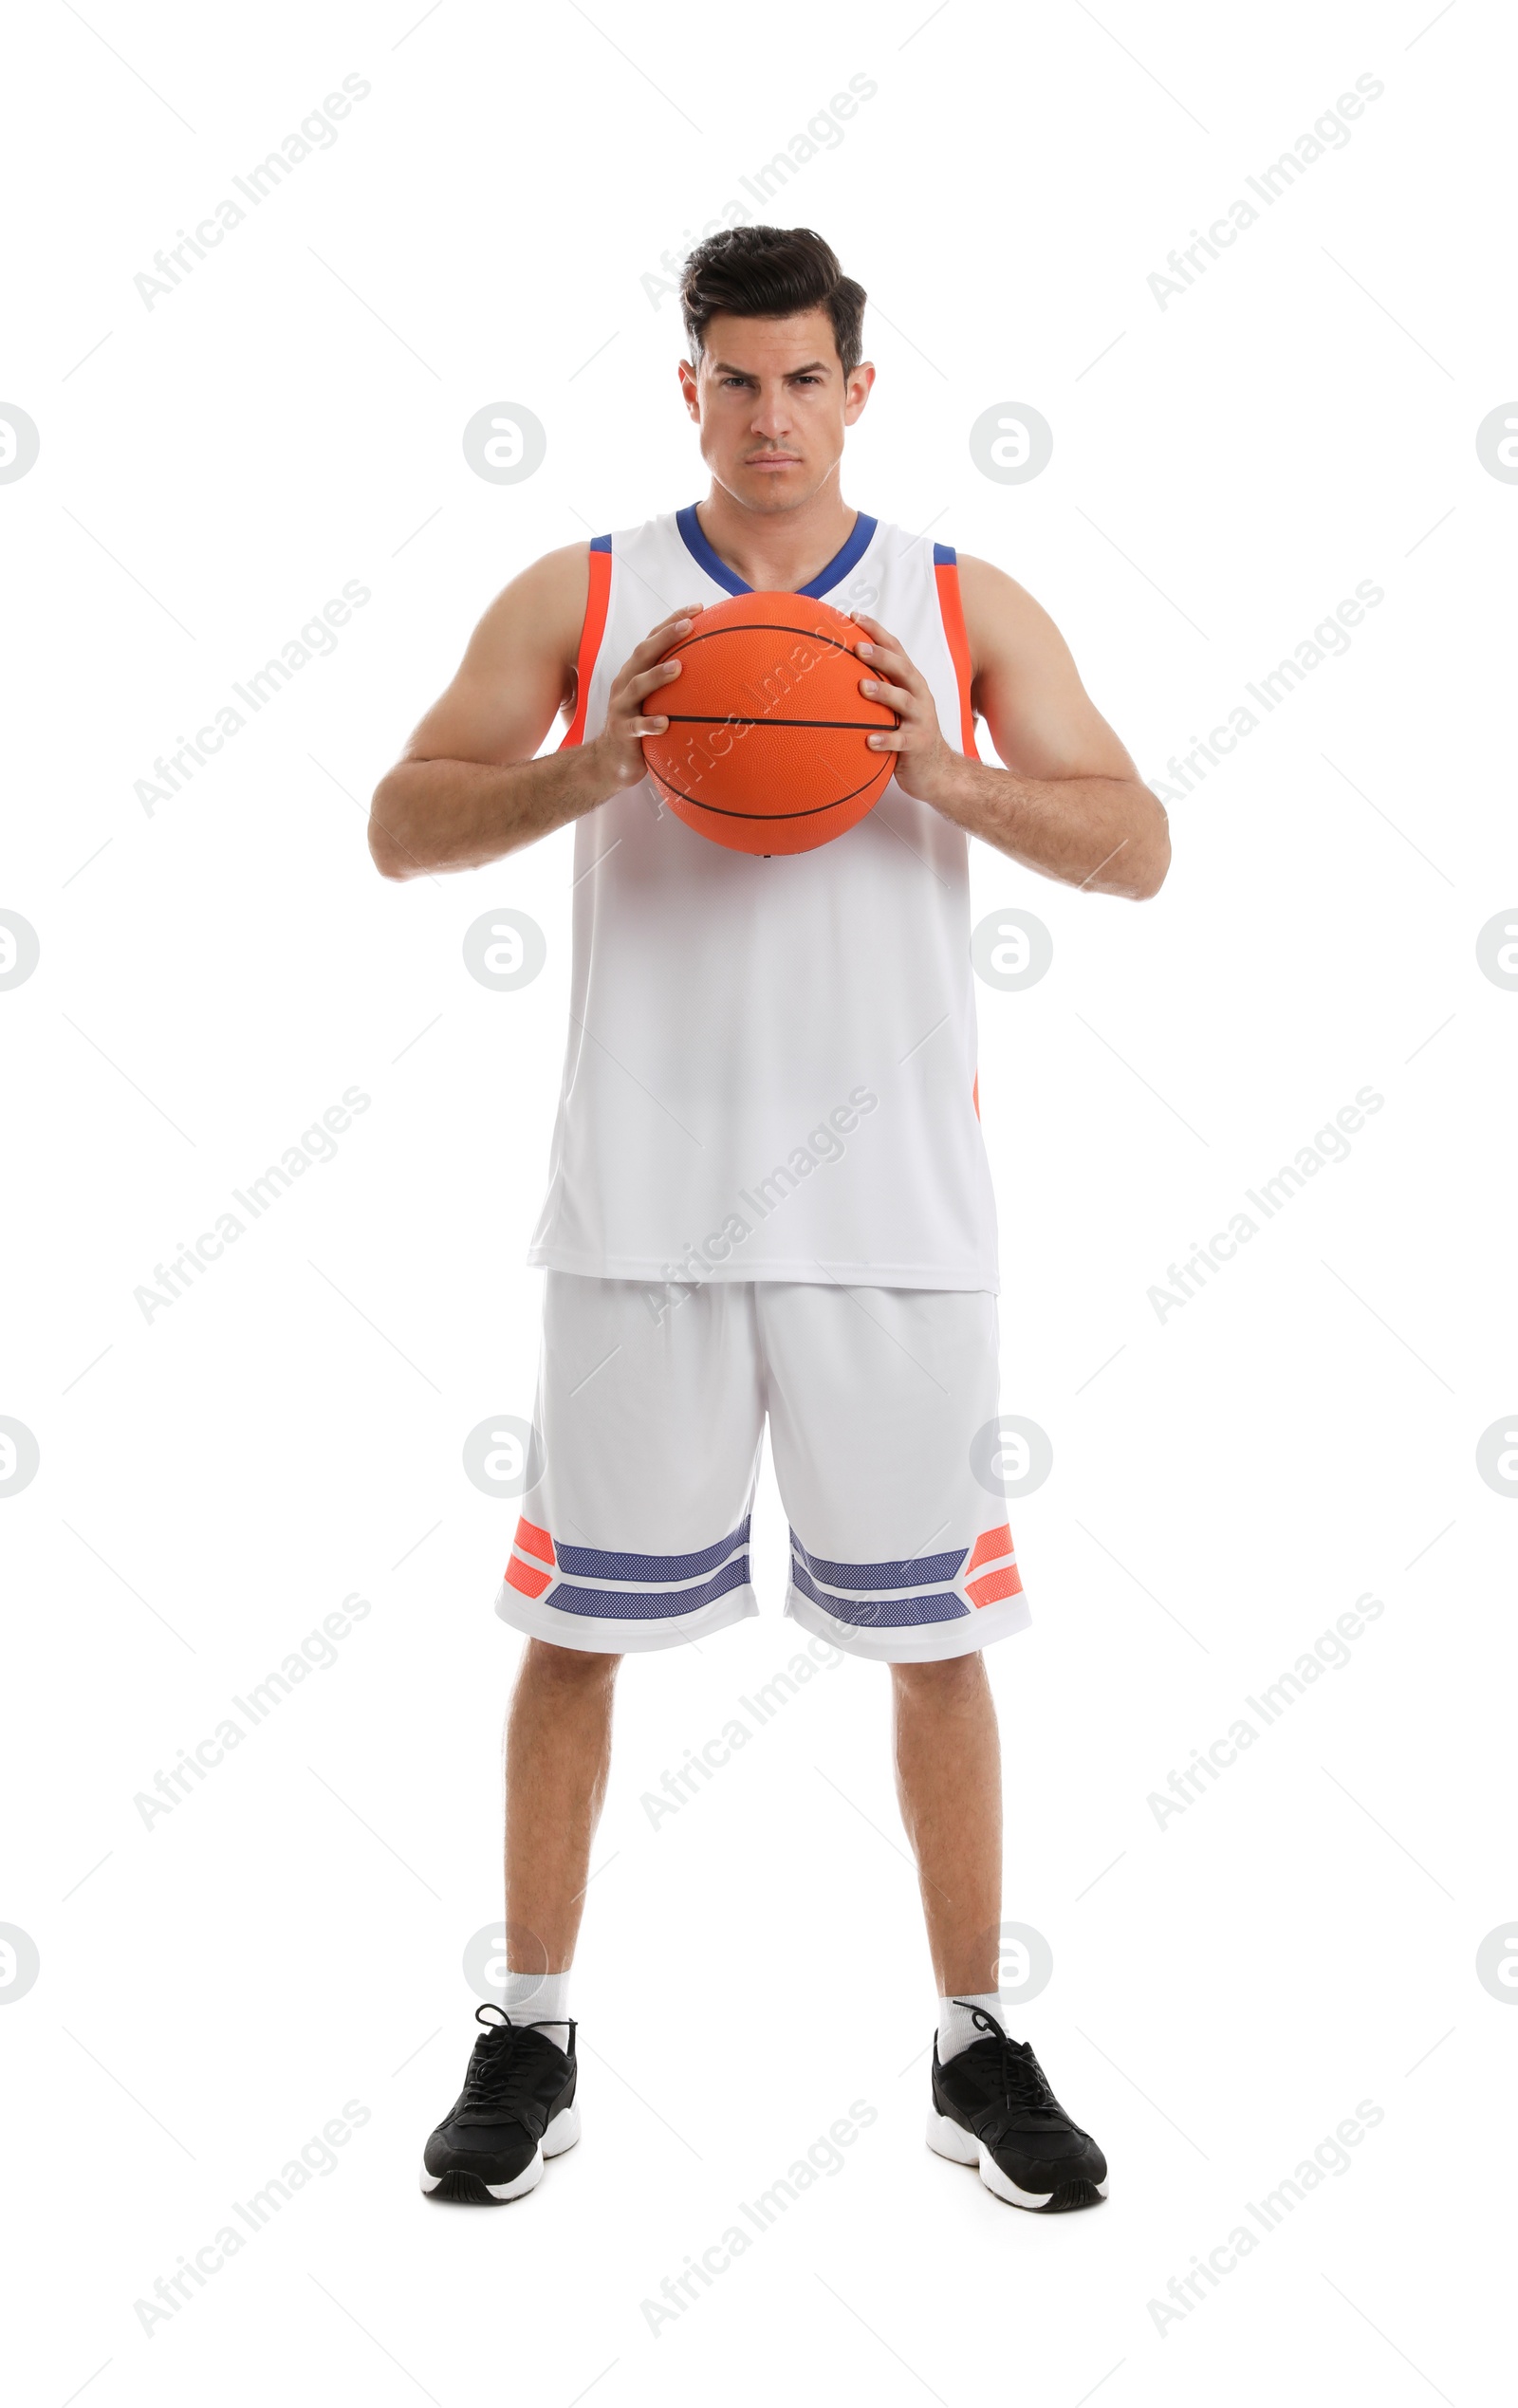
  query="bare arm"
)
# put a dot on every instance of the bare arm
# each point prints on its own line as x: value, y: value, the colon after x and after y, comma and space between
x: 1069, y: 802
x: 467, y: 789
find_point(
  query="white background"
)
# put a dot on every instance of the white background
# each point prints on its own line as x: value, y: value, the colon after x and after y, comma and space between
x: 1227, y: 1481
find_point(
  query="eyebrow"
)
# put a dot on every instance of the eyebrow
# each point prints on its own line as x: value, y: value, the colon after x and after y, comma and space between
x: 725, y: 368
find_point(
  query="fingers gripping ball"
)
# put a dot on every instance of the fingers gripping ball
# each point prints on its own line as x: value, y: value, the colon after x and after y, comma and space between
x: 766, y: 750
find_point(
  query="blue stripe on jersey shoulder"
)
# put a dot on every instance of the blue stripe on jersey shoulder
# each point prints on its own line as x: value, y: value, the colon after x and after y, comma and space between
x: 720, y: 574
x: 609, y: 1564
x: 601, y: 543
x: 944, y: 556
x: 883, y: 1612
x: 912, y: 1574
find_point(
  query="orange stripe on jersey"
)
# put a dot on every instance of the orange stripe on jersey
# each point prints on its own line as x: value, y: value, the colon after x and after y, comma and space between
x: 534, y: 1542
x: 953, y: 609
x: 994, y: 1586
x: 591, y: 632
x: 989, y: 1545
x: 974, y: 1095
x: 527, y: 1578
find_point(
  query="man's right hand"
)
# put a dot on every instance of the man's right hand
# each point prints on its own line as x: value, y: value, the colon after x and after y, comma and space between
x: 619, y: 748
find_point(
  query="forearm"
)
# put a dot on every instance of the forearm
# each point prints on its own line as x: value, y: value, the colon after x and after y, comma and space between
x: 453, y: 815
x: 1108, y: 835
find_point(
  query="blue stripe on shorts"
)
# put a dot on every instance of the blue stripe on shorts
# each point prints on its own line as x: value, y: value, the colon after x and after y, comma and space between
x: 647, y: 1605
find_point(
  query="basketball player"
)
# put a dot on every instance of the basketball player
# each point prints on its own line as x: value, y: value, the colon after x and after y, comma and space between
x: 768, y: 1192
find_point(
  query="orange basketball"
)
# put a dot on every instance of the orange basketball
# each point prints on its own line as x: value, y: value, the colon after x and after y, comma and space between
x: 765, y: 751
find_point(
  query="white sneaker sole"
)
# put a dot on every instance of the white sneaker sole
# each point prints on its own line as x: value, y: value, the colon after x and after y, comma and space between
x: 949, y: 2139
x: 561, y: 2135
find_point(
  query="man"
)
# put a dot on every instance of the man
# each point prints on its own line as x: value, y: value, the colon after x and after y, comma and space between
x: 767, y: 1189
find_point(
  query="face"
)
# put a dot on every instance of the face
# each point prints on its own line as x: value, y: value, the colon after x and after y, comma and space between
x: 771, y: 401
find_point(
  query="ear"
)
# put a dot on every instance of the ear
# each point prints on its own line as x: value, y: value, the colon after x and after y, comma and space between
x: 689, y: 389
x: 857, y: 391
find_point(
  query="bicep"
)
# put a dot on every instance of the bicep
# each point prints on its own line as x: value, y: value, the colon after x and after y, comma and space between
x: 1026, y: 688
x: 518, y: 671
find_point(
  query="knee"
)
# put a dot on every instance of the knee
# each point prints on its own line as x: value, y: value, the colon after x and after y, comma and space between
x: 949, y: 1687
x: 578, y: 1669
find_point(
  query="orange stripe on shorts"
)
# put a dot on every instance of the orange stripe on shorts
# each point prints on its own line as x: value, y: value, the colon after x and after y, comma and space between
x: 527, y: 1578
x: 534, y: 1542
x: 994, y: 1586
x: 990, y: 1544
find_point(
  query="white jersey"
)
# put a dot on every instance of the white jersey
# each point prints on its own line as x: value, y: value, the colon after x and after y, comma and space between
x: 770, y: 1071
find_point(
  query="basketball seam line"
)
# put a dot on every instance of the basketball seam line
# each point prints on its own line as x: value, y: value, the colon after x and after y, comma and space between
x: 763, y: 627
x: 710, y: 719
x: 762, y: 819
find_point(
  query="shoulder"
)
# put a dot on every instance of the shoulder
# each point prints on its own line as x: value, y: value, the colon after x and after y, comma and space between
x: 543, y: 606
x: 999, y: 613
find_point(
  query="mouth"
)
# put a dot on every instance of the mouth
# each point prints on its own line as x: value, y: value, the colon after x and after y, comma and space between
x: 773, y: 460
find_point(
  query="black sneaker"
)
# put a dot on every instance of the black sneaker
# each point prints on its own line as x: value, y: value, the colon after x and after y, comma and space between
x: 992, y: 2107
x: 517, y: 2108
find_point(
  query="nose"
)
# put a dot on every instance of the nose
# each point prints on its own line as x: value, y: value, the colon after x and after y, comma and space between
x: 772, y: 414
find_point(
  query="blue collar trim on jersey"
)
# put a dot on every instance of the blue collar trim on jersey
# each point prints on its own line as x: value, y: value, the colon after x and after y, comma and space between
x: 838, y: 567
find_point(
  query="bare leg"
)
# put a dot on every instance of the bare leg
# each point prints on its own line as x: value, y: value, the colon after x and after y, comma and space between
x: 949, y: 1782
x: 558, y: 1756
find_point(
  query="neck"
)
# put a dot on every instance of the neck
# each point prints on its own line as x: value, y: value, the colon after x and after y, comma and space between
x: 779, y: 552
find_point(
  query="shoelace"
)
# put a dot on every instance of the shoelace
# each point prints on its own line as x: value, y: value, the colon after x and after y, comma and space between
x: 1024, y: 2082
x: 500, y: 2075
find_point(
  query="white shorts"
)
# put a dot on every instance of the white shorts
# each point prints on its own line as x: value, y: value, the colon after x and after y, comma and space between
x: 650, y: 1415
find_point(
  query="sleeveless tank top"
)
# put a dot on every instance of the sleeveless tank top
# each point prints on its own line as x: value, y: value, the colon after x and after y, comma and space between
x: 771, y: 1070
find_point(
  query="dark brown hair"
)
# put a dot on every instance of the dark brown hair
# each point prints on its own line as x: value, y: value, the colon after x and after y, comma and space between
x: 772, y: 271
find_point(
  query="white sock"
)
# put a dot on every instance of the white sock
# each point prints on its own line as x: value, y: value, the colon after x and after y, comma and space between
x: 539, y: 1998
x: 957, y: 2027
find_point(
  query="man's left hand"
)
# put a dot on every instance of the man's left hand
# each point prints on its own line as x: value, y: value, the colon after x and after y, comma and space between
x: 922, y: 755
